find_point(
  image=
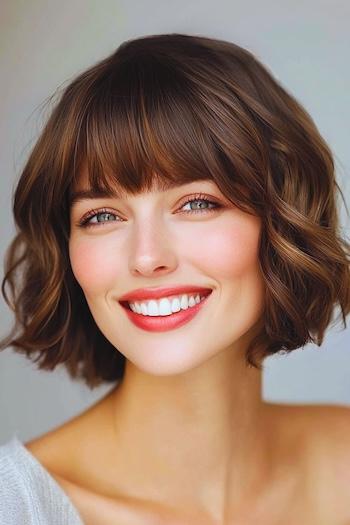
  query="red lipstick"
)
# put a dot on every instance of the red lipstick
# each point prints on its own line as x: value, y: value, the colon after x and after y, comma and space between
x: 162, y: 323
x: 142, y: 294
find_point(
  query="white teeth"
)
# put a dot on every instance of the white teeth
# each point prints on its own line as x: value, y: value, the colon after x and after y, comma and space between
x: 165, y: 306
x: 175, y: 305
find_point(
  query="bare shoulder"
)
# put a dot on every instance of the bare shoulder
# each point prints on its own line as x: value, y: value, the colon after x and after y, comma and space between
x: 329, y: 459
x: 326, y: 427
x: 322, y: 434
x: 57, y: 451
x: 333, y: 420
x: 60, y: 449
x: 319, y: 429
x: 53, y: 451
x: 329, y: 433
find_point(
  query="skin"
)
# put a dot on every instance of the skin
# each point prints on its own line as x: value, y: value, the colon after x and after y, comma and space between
x: 186, y: 436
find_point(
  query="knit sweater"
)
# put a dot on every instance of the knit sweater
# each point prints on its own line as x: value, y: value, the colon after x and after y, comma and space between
x: 29, y: 495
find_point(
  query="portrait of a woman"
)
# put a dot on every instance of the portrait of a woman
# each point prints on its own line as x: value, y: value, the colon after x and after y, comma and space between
x: 177, y: 223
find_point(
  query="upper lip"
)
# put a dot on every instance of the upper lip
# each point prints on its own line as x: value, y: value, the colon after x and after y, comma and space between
x: 156, y: 293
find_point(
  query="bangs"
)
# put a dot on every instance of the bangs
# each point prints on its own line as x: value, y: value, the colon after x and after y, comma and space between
x: 144, y: 129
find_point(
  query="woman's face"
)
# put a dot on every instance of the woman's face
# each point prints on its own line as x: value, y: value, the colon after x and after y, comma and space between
x: 153, y: 240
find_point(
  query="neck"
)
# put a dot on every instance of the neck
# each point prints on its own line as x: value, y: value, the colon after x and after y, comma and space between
x: 193, y: 440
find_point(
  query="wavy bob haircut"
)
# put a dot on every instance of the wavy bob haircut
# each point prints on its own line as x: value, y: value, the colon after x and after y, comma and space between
x: 169, y: 109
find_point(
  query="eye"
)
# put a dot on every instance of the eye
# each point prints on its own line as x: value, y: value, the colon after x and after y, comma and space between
x: 201, y: 199
x: 92, y: 218
x: 87, y: 222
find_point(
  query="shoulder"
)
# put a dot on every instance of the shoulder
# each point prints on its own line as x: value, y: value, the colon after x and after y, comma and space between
x: 64, y: 448
x: 54, y: 451
x: 326, y: 429
x: 22, y: 491
x: 11, y: 466
x: 329, y: 442
x: 329, y: 459
x: 316, y: 423
x: 322, y: 431
x: 322, y: 436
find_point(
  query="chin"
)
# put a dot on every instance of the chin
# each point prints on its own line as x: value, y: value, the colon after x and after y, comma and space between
x: 168, y: 363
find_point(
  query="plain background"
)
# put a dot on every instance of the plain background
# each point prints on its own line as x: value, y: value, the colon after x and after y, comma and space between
x: 44, y: 44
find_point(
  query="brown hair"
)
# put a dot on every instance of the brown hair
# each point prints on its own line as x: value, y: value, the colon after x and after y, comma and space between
x: 177, y: 108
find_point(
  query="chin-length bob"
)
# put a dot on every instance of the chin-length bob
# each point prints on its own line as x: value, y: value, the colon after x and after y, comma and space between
x: 177, y: 108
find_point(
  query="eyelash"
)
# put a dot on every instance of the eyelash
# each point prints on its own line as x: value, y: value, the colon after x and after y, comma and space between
x: 83, y: 223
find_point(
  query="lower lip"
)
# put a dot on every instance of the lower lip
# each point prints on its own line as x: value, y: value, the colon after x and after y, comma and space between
x: 162, y: 323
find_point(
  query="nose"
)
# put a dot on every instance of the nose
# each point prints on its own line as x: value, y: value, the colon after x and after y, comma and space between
x: 152, y: 251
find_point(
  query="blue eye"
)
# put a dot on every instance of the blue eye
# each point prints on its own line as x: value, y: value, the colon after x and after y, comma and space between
x: 201, y: 209
x: 86, y: 221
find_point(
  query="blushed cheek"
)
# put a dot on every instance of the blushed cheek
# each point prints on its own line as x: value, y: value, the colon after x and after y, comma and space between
x: 230, y: 251
x: 93, y: 267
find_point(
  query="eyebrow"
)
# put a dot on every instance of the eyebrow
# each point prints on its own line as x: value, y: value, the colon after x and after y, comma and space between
x: 81, y: 195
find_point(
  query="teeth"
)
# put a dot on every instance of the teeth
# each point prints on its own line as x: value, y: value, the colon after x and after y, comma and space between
x: 165, y: 306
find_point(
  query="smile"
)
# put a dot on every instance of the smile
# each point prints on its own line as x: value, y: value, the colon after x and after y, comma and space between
x: 165, y: 314
x: 166, y: 305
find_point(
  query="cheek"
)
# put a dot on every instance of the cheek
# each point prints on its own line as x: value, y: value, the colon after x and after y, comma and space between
x: 229, y: 251
x: 93, y: 264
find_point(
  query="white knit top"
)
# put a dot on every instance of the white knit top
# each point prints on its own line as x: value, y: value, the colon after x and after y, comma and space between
x: 29, y: 495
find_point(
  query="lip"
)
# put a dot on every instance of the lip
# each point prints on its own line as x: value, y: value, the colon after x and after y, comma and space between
x: 162, y: 323
x: 142, y: 294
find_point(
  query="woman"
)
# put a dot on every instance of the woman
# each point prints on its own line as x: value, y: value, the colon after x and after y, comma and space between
x: 177, y: 223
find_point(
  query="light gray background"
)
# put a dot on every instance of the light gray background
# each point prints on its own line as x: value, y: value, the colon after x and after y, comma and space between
x: 44, y: 44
